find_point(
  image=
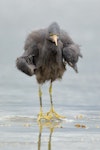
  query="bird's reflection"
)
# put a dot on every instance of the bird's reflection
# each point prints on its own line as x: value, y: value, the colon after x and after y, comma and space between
x: 51, y: 126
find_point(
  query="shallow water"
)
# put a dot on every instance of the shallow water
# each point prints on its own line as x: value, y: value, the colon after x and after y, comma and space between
x: 80, y: 130
x: 19, y: 107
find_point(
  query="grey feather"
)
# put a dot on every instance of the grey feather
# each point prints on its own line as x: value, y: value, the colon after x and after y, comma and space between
x: 71, y: 55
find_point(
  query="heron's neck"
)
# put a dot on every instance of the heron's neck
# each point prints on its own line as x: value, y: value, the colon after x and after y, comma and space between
x: 51, y: 47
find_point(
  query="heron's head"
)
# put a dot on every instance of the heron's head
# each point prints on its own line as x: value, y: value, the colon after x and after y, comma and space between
x: 53, y: 33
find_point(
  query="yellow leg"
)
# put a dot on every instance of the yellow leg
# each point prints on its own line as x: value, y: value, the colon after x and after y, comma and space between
x: 41, y: 115
x: 52, y: 114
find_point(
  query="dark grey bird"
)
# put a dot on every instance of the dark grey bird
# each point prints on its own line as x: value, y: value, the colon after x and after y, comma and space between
x: 47, y: 51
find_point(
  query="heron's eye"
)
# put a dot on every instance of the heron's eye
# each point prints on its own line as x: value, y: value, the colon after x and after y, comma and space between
x: 50, y: 34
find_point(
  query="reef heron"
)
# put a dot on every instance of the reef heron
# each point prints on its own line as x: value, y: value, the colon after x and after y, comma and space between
x: 47, y: 52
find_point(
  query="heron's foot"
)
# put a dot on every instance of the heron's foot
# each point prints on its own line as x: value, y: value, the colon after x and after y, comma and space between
x: 52, y: 114
x: 42, y: 116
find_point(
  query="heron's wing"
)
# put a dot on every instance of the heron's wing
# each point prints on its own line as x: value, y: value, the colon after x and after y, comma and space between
x: 65, y: 38
x: 27, y: 62
x: 71, y: 51
x: 71, y: 55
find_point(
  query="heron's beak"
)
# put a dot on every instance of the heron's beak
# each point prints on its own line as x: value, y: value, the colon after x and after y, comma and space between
x: 73, y: 66
x: 55, y: 38
x: 80, y: 55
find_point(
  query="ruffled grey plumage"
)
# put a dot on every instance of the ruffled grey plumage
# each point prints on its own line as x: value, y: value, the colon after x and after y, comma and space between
x: 45, y: 56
